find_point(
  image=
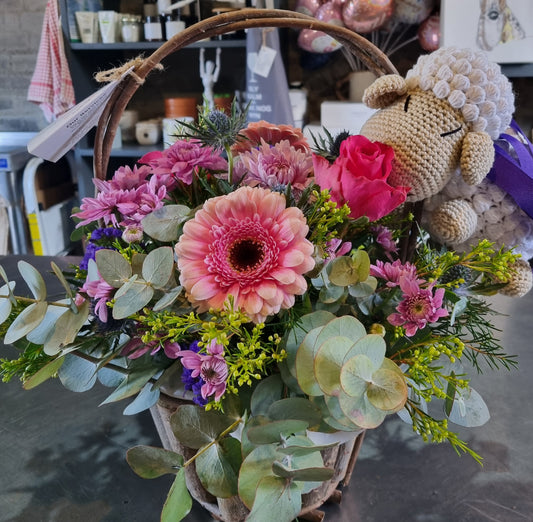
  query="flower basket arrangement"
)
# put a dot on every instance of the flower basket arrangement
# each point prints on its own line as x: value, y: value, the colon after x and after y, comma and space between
x: 284, y: 292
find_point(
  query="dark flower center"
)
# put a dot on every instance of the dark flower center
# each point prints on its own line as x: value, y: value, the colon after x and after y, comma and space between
x: 245, y: 255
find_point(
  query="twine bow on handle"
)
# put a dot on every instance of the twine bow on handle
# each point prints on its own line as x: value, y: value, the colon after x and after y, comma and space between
x: 110, y: 75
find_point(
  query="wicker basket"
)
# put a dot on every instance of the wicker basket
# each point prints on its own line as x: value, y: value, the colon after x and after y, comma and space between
x: 342, y: 458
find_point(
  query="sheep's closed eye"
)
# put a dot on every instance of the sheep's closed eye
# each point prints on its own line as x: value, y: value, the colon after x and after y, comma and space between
x: 449, y: 133
x: 406, y: 103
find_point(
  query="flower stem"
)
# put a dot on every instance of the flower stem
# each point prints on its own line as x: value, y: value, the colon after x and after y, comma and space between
x: 31, y: 300
x: 230, y: 163
x: 221, y: 436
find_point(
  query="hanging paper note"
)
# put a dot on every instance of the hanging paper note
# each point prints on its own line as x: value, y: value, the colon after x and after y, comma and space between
x: 54, y: 141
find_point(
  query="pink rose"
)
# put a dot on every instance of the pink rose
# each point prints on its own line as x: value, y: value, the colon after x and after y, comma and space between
x: 358, y: 177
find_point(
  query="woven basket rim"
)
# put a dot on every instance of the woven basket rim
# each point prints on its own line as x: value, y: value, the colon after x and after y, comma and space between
x: 370, y: 55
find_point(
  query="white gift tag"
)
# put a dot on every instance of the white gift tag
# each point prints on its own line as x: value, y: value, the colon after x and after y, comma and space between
x: 264, y: 61
x: 54, y: 141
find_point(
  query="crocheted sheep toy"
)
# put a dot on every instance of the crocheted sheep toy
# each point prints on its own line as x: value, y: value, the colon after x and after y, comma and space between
x: 441, y: 121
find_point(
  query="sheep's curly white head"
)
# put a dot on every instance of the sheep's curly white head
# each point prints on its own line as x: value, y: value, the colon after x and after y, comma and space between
x: 470, y: 83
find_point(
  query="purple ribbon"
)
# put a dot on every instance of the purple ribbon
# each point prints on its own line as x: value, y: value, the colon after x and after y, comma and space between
x: 513, y: 168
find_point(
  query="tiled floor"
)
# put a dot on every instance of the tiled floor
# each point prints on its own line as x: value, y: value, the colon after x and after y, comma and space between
x: 62, y: 456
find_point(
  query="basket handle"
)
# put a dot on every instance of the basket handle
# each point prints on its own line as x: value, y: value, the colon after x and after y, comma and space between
x: 371, y: 56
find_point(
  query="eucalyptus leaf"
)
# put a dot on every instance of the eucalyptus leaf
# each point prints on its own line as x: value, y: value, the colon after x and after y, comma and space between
x: 297, y: 408
x: 179, y: 502
x: 372, y: 346
x: 305, y: 361
x: 62, y: 280
x: 469, y: 409
x: 306, y: 474
x: 131, y: 384
x: 450, y: 395
x: 113, y: 267
x: 194, y: 427
x: 149, y: 462
x: 276, y: 499
x: 296, y: 335
x: 66, y: 329
x: 218, y: 467
x: 137, y: 261
x: 109, y: 377
x: 158, y: 266
x: 337, y: 418
x: 146, y: 398
x: 33, y: 279
x: 458, y: 308
x: 364, y: 288
x: 267, y: 392
x: 168, y: 299
x: 134, y: 299
x: 356, y: 375
x: 331, y: 294
x: 328, y: 363
x: 5, y: 303
x: 50, y: 370
x: 3, y: 275
x: 77, y: 374
x: 342, y: 271
x: 256, y: 466
x: 276, y: 431
x: 361, y: 411
x: 26, y: 321
x: 163, y: 224
x: 387, y: 391
x: 300, y: 451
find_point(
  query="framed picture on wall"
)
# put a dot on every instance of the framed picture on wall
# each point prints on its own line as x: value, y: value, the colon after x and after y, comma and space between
x: 502, y: 28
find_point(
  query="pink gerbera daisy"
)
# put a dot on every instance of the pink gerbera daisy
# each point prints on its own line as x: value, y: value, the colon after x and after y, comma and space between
x: 246, y: 244
x: 418, y: 307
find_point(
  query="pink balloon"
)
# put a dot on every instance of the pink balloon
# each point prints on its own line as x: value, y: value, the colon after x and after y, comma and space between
x: 364, y: 16
x: 429, y: 33
x: 413, y: 11
x: 308, y: 7
x: 317, y: 41
x: 330, y: 13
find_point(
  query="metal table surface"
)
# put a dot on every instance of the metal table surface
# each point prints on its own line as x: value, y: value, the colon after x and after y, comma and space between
x: 62, y: 455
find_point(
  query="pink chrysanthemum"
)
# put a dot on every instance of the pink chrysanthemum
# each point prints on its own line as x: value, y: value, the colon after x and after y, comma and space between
x: 247, y: 245
x: 102, y: 293
x: 136, y: 348
x: 277, y: 166
x: 394, y: 272
x: 180, y: 160
x: 122, y: 207
x: 385, y: 239
x: 418, y: 307
x: 211, y: 367
x: 125, y: 178
x: 259, y: 131
x: 336, y: 248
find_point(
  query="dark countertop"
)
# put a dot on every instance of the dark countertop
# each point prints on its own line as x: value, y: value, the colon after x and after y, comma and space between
x: 63, y: 456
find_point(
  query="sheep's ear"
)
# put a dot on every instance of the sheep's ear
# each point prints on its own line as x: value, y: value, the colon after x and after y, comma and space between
x: 385, y: 90
x: 477, y: 157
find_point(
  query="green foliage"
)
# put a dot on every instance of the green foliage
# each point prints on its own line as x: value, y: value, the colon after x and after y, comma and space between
x: 149, y: 462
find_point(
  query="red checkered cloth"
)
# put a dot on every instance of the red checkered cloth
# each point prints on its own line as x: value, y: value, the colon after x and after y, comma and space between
x: 51, y: 84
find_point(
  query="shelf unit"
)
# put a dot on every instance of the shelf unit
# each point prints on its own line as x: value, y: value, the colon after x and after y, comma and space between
x: 180, y: 77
